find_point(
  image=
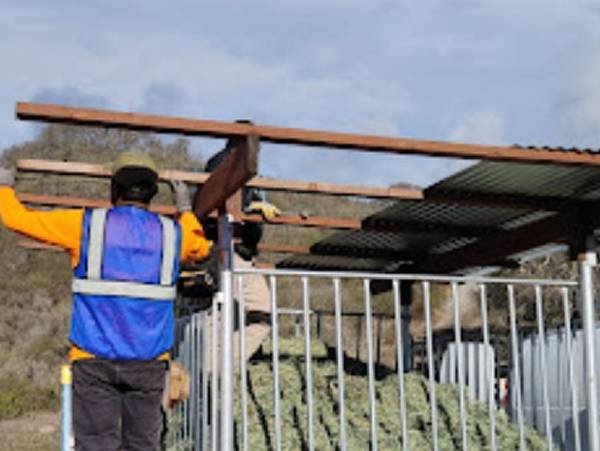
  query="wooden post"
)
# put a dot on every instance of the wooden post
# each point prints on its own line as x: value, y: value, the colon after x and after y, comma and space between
x: 231, y: 175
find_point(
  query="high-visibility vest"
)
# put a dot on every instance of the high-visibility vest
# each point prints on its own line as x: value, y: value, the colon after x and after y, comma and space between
x: 124, y: 286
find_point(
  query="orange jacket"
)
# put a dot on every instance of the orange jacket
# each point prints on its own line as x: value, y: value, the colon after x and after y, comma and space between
x: 63, y: 227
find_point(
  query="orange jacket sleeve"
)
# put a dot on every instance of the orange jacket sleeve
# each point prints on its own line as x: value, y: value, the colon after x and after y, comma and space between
x: 61, y: 227
x: 194, y: 245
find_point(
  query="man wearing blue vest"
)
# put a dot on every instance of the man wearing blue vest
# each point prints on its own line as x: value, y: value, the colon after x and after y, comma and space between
x: 126, y: 265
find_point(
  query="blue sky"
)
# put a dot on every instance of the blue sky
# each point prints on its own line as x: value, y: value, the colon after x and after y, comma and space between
x: 496, y: 72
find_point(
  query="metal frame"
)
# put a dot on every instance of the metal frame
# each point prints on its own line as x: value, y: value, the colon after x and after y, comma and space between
x: 337, y: 277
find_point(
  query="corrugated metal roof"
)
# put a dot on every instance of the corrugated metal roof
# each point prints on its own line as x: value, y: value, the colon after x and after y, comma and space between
x: 333, y: 263
x: 519, y: 179
x: 490, y: 178
x: 449, y: 214
x: 366, y: 239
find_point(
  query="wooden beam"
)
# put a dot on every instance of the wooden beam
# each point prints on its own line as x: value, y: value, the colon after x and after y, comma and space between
x: 271, y: 248
x: 334, y: 189
x: 80, y: 202
x: 310, y: 221
x: 169, y: 210
x: 284, y: 135
x: 239, y: 166
x: 267, y: 248
x: 265, y: 183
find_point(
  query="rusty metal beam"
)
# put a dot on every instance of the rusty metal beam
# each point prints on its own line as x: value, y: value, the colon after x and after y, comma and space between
x: 284, y: 135
x: 265, y: 183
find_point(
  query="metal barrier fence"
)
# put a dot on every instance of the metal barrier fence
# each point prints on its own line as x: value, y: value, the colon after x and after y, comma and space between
x: 527, y: 359
x: 488, y: 386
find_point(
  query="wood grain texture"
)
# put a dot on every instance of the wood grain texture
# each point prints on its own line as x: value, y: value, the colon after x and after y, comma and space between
x: 285, y: 135
x: 239, y: 166
x: 265, y: 183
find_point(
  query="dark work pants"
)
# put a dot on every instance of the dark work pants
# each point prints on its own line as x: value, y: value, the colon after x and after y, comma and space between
x: 117, y: 404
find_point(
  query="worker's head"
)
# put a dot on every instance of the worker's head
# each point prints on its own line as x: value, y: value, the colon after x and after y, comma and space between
x: 134, y: 178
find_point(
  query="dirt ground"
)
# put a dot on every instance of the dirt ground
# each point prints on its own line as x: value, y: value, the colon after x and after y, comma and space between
x: 35, y: 431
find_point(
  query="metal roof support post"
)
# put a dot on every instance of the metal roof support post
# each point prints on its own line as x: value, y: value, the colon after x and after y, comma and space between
x: 226, y: 268
x: 587, y: 261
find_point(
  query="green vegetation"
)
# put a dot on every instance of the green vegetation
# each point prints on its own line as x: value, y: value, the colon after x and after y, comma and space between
x: 20, y: 396
x: 389, y: 430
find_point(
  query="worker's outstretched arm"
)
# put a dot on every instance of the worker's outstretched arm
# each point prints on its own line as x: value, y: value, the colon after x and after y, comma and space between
x: 59, y: 227
x: 194, y: 245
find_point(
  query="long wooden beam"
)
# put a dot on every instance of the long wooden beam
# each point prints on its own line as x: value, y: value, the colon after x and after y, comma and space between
x: 266, y: 248
x: 291, y: 220
x: 285, y: 135
x: 265, y: 183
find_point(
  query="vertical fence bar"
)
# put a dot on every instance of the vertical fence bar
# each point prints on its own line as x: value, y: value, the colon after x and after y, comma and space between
x: 185, y: 357
x: 572, y: 381
x: 379, y: 333
x: 542, y: 348
x: 489, y: 369
x: 204, y: 371
x: 370, y: 364
x: 66, y: 380
x: 242, y: 353
x: 308, y: 362
x: 430, y: 367
x: 461, y: 367
x: 516, y: 384
x: 275, y: 352
x: 400, y: 363
x: 358, y: 334
x: 214, y: 417
x: 194, y: 395
x: 226, y: 266
x: 340, y: 361
x: 587, y: 261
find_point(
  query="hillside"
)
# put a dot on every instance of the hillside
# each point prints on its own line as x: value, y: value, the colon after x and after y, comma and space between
x: 35, y: 285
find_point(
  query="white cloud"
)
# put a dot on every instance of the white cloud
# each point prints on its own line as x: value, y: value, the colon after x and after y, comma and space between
x: 382, y: 67
x: 483, y: 127
x: 584, y: 112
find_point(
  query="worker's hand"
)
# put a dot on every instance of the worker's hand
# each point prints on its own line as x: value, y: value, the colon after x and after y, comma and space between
x: 267, y: 210
x: 181, y: 195
x: 178, y: 385
x: 7, y: 177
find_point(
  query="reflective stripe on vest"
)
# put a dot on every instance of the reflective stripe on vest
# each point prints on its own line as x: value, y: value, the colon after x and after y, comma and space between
x: 126, y: 289
x: 93, y: 283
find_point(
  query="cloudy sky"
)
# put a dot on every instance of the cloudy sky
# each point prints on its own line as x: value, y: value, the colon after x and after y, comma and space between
x: 497, y: 72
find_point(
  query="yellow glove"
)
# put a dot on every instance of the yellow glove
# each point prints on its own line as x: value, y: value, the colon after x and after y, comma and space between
x: 267, y: 210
